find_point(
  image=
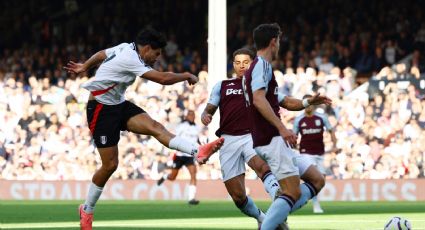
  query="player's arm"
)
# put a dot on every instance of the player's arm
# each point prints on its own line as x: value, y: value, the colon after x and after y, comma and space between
x: 331, y: 131
x: 290, y: 103
x: 212, y: 104
x: 294, y: 104
x: 169, y: 78
x: 94, y: 60
x: 263, y: 106
x: 333, y: 138
x: 208, y: 113
x: 258, y: 85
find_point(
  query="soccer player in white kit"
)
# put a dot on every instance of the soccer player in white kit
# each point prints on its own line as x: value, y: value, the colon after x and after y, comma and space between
x: 108, y: 112
x: 189, y: 130
x: 271, y: 139
x: 311, y: 125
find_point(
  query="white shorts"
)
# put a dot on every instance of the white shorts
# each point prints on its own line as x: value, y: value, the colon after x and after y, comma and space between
x: 235, y: 152
x: 316, y: 160
x: 282, y: 160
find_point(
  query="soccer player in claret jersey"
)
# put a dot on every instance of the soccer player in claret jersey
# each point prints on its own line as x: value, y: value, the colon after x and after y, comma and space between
x: 108, y: 112
x: 235, y: 128
x: 237, y: 149
x: 311, y: 125
x: 272, y: 140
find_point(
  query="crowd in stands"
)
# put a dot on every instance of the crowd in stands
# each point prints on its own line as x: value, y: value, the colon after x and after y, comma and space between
x: 44, y: 134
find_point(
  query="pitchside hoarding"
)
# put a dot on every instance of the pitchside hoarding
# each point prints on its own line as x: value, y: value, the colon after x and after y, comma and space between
x: 335, y: 190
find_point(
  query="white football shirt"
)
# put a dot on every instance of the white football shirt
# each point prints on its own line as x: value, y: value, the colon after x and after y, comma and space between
x: 118, y: 71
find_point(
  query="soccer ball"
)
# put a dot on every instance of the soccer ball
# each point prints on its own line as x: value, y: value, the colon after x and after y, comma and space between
x: 398, y: 223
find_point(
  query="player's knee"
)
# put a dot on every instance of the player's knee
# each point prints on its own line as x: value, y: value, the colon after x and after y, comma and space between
x: 319, y: 182
x: 111, y: 166
x: 171, y: 177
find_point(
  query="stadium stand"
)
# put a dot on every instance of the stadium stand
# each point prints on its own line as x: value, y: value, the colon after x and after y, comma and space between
x: 380, y: 124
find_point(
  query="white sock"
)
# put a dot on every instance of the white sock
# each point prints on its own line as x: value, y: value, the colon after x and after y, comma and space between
x: 271, y: 185
x: 183, y: 145
x: 165, y: 176
x: 315, y: 201
x: 92, y: 197
x: 192, y: 192
x: 261, y: 217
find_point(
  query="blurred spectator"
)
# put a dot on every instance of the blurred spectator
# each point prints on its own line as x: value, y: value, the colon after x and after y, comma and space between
x: 44, y: 134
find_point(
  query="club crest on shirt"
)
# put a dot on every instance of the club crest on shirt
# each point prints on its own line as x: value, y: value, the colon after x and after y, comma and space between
x: 103, y: 139
x: 317, y: 122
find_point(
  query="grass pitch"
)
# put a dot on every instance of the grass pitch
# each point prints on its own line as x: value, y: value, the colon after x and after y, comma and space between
x: 224, y: 215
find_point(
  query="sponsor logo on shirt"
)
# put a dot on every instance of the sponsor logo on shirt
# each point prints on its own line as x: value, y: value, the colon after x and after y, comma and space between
x: 233, y: 91
x: 311, y: 131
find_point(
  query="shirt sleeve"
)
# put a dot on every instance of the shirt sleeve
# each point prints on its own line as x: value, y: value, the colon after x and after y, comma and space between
x: 281, y: 97
x: 215, y: 94
x: 138, y: 67
x: 296, y: 128
x: 111, y: 51
x: 327, y: 123
x: 259, y: 80
x: 179, y: 129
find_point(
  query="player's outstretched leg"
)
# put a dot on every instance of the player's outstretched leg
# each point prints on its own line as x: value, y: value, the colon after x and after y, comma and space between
x: 207, y: 150
x: 144, y: 124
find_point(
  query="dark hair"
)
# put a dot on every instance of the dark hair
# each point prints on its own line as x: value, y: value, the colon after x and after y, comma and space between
x: 151, y: 37
x: 264, y: 33
x: 307, y: 96
x: 245, y: 51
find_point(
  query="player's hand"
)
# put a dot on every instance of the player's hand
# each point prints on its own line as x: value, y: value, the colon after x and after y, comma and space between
x: 288, y: 137
x: 333, y: 149
x: 317, y: 99
x: 192, y: 79
x: 206, y: 118
x: 73, y: 67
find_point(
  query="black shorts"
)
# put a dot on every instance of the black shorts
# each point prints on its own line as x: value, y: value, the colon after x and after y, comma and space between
x: 179, y: 161
x: 106, y: 121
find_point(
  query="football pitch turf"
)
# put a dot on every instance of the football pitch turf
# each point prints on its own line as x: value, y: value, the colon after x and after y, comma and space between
x: 168, y: 215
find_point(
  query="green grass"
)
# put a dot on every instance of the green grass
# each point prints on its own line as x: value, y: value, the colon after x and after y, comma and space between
x: 208, y: 215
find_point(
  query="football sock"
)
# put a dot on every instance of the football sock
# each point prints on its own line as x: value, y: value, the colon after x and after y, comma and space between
x: 307, y: 192
x: 270, y: 184
x: 183, y: 145
x: 250, y: 209
x: 92, y: 197
x: 278, y: 212
x: 315, y: 200
x: 192, y: 191
x: 165, y: 176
